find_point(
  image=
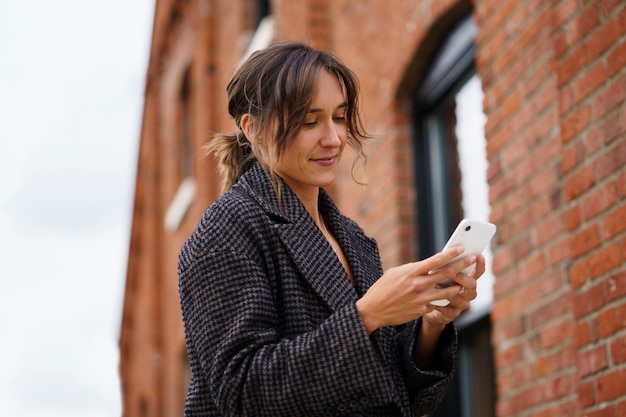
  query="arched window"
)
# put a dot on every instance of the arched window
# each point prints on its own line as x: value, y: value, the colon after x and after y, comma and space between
x: 451, y: 181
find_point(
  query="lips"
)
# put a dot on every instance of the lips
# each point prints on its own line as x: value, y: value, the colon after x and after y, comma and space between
x: 326, y: 161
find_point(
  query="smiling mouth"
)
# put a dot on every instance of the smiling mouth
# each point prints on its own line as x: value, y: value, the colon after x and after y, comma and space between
x: 328, y: 158
x: 328, y: 161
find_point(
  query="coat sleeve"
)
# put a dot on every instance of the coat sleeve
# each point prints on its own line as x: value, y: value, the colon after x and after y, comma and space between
x: 233, y: 331
x: 426, y: 388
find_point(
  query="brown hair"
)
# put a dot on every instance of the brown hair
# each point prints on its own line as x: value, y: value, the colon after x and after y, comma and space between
x: 276, y: 86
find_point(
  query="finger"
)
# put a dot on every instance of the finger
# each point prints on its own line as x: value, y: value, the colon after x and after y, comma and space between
x: 440, y: 259
x: 465, y: 281
x: 462, y: 298
x: 452, y: 271
x: 442, y: 297
x: 479, y: 267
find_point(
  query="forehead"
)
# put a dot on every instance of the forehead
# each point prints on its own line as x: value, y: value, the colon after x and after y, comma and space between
x: 328, y: 91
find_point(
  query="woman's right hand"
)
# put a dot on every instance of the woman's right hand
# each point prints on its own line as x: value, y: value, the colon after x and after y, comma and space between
x: 404, y: 293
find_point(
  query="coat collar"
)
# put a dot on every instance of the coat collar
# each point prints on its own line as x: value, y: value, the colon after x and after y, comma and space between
x: 303, y: 240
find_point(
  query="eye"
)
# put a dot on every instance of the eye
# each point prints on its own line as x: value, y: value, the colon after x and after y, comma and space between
x: 309, y: 124
x: 340, y: 119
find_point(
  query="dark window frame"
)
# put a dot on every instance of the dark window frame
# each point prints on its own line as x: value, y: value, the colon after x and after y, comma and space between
x: 452, y: 67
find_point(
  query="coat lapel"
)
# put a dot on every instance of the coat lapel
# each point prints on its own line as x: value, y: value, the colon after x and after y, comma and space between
x: 317, y: 262
x: 303, y: 240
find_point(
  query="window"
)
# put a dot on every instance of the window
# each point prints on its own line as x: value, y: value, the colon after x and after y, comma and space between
x: 451, y: 181
x: 186, y: 191
x: 264, y: 28
x: 185, y: 124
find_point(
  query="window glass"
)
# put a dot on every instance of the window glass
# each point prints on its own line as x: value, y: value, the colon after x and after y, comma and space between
x: 471, y: 150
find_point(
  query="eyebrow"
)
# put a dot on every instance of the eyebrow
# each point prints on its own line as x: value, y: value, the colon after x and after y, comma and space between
x: 341, y: 106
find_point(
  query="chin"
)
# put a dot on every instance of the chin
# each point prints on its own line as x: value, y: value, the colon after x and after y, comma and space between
x: 327, y: 183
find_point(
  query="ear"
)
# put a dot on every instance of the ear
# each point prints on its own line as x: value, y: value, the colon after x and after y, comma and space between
x: 247, y: 123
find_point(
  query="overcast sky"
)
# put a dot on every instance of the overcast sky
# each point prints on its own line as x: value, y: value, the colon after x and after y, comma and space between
x: 71, y: 96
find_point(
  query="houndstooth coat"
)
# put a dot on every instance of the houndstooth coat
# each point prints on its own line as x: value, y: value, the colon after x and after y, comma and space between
x: 270, y: 320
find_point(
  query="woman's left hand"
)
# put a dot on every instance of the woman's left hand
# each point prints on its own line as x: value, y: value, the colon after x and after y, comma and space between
x: 440, y: 316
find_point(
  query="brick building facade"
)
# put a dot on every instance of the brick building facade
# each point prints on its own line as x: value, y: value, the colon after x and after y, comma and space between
x: 548, y: 337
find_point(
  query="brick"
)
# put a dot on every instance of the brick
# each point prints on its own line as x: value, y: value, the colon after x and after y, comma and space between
x: 506, y: 330
x: 544, y: 98
x: 592, y: 361
x: 607, y: 7
x: 559, y: 250
x: 555, y: 334
x: 573, y: 155
x: 508, y: 356
x: 572, y: 217
x: 539, y: 25
x: 548, y: 229
x: 616, y: 60
x: 511, y: 104
x: 589, y: 81
x: 556, y: 361
x: 607, y: 258
x: 603, y: 38
x: 600, y: 199
x: 589, y: 301
x: 616, y: 286
x: 575, y: 123
x: 621, y: 18
x: 621, y: 184
x: 620, y: 409
x: 586, y: 395
x: 582, y: 334
x: 607, y: 323
x: 593, y: 141
x: 579, y: 182
x: 618, y: 350
x: 571, y: 65
x: 549, y: 312
x: 608, y: 99
x: 612, y: 161
x: 578, y: 274
x: 528, y: 397
x: 583, y: 23
x: 584, y: 241
x: 614, y: 222
x: 545, y: 180
x: 560, y: 45
x: 611, y: 130
x: 611, y: 385
x: 564, y: 12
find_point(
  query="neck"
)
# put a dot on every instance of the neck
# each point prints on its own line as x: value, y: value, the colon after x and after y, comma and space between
x: 310, y: 202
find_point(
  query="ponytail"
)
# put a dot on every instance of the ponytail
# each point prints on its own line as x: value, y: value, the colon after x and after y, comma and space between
x: 234, y: 155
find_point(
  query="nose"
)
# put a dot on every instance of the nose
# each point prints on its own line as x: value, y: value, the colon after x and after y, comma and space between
x: 332, y: 135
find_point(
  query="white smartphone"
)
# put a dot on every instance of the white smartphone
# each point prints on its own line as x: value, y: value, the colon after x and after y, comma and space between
x: 474, y: 236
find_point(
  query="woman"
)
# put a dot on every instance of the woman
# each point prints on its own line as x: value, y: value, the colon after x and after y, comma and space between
x: 287, y: 311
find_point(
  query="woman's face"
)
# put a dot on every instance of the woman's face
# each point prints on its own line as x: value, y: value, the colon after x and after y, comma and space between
x: 311, y: 160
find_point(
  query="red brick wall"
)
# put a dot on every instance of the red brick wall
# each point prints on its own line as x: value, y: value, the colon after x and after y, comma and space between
x: 554, y: 78
x: 554, y: 81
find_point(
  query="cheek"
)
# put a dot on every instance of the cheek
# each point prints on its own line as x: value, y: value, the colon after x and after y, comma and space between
x: 344, y: 137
